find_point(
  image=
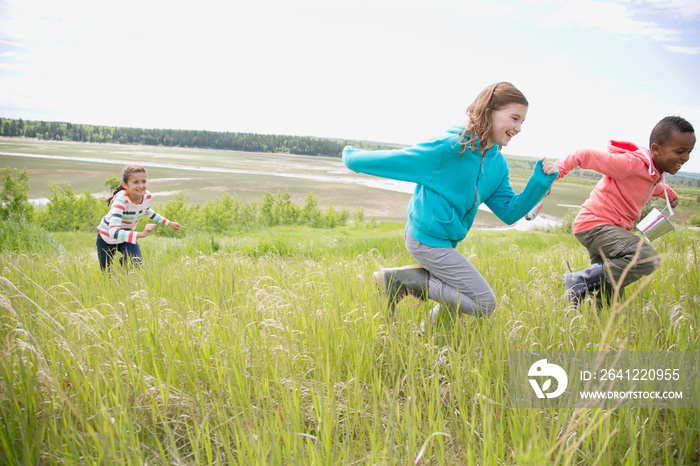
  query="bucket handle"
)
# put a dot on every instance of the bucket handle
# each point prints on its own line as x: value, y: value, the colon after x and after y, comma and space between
x: 668, y: 203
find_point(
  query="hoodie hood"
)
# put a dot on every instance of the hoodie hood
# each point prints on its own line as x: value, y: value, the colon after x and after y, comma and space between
x: 458, y: 130
x: 624, y: 147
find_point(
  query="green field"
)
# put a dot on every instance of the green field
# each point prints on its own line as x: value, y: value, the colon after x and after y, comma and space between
x: 272, y: 347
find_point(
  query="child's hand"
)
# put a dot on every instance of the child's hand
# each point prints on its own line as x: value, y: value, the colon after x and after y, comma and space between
x: 674, y: 202
x: 175, y: 226
x: 146, y: 230
x: 548, y: 167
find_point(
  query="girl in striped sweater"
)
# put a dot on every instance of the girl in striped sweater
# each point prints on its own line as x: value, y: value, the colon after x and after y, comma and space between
x: 116, y: 231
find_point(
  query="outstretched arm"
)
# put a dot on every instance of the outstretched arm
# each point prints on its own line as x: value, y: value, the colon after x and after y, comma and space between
x: 414, y: 164
x: 511, y: 207
x: 614, y: 165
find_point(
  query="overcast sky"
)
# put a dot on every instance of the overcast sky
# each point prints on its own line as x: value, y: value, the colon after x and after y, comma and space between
x: 385, y: 70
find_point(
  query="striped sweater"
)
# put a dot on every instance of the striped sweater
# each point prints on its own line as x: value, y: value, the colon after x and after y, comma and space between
x: 119, y: 225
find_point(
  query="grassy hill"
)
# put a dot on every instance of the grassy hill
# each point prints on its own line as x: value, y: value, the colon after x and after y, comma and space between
x: 272, y: 347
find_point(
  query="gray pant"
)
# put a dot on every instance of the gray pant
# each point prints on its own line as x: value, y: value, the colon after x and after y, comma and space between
x: 454, y: 281
x: 617, y: 247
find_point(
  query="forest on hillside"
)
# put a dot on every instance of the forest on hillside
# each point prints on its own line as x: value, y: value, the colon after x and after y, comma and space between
x: 250, y: 142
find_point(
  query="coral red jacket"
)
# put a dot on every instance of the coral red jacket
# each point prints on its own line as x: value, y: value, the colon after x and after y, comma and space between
x: 629, y: 181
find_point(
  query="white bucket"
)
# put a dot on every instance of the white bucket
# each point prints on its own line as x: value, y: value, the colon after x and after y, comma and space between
x: 654, y: 225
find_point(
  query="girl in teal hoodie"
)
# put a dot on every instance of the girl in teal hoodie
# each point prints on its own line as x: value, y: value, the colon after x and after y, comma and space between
x: 454, y: 173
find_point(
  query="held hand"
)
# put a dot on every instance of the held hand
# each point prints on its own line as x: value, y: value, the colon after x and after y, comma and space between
x: 175, y: 226
x: 548, y: 167
x: 674, y: 202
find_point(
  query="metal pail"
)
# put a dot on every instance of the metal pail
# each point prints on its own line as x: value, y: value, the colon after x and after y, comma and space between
x: 654, y: 225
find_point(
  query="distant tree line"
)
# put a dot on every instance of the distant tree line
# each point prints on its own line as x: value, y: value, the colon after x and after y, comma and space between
x: 250, y: 142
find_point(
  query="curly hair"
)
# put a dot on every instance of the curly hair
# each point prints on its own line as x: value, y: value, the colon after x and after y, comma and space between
x: 663, y: 131
x: 478, y: 126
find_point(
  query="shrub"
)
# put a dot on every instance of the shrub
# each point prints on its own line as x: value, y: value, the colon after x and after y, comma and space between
x: 279, y: 210
x: 113, y: 183
x: 14, y: 202
x: 567, y: 222
x: 188, y: 216
x: 332, y: 218
x: 67, y: 211
x: 359, y: 215
x: 225, y: 214
x: 285, y: 210
x: 311, y: 213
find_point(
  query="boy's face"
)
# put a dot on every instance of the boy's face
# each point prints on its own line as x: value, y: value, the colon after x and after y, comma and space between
x: 670, y: 156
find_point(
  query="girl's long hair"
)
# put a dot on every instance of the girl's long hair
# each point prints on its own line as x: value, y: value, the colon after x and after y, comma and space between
x: 126, y: 174
x: 478, y: 127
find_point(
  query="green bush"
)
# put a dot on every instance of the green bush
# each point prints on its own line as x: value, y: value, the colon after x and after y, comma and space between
x: 113, y: 183
x: 188, y: 216
x: 311, y: 213
x: 14, y: 202
x: 67, y: 211
x: 567, y: 222
x: 226, y: 214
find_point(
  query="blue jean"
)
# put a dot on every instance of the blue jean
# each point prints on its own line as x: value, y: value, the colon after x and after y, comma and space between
x: 106, y: 253
x: 454, y: 282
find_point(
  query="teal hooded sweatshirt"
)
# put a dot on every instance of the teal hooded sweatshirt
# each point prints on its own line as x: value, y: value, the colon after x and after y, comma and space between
x: 450, y: 187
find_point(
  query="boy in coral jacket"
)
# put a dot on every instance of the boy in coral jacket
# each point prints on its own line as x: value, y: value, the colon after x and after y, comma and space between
x: 631, y: 176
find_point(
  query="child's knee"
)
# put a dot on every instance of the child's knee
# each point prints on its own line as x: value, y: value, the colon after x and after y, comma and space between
x: 131, y: 261
x: 487, y: 305
x: 649, y: 262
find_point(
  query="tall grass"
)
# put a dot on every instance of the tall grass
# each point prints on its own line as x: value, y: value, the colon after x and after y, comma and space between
x: 274, y: 348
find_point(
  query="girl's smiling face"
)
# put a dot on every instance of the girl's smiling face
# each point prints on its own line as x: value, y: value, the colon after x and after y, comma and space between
x: 506, y: 123
x: 136, y: 186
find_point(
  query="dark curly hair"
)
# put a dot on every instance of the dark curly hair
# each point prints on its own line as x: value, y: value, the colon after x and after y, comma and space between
x: 663, y: 131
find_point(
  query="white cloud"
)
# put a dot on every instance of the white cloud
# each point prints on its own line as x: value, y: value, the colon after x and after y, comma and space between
x: 386, y: 70
x: 612, y: 17
x: 683, y: 9
x: 684, y: 49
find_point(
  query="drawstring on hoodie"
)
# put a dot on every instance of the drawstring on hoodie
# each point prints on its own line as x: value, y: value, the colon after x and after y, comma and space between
x: 652, y: 172
x: 476, y: 185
